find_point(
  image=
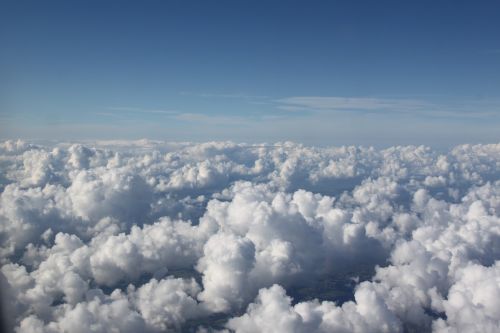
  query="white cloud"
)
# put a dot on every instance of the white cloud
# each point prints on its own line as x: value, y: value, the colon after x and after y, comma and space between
x: 351, y: 103
x: 168, y: 303
x: 153, y: 236
x: 140, y: 110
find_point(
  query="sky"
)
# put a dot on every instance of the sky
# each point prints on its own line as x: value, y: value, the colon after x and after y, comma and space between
x: 315, y: 72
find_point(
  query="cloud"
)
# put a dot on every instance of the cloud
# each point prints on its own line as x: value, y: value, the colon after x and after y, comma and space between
x: 167, y: 303
x: 472, y: 302
x: 140, y: 110
x: 320, y: 104
x: 350, y: 103
x: 273, y: 312
x: 229, y: 95
x: 211, y: 119
x: 153, y: 236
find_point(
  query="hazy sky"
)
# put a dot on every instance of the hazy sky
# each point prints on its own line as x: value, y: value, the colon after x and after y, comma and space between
x: 319, y: 72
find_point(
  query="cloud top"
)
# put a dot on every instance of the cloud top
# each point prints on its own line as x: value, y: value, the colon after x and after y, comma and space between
x: 153, y: 236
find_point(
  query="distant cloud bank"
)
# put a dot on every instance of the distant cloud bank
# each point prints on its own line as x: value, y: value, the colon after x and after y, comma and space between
x: 149, y: 236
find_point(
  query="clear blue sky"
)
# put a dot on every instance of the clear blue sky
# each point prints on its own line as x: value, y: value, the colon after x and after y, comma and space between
x: 319, y: 72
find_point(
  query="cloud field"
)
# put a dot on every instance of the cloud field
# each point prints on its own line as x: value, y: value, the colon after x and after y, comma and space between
x: 146, y: 236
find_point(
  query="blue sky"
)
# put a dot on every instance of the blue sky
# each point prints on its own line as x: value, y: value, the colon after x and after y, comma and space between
x: 319, y: 72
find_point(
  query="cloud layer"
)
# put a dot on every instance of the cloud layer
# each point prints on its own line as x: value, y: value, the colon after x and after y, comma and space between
x: 154, y: 237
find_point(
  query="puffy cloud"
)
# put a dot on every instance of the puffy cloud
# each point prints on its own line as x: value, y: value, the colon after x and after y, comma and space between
x: 473, y: 302
x: 273, y: 312
x: 99, y: 314
x: 225, y: 265
x: 152, y: 249
x: 168, y: 303
x: 153, y: 236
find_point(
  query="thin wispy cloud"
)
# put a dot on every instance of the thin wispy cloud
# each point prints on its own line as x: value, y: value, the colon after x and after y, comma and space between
x: 108, y: 114
x: 195, y: 117
x: 140, y: 110
x: 350, y: 103
x: 463, y: 109
x: 223, y: 95
x: 212, y: 119
x: 492, y: 51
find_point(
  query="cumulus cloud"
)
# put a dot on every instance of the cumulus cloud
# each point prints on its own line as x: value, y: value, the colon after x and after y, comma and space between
x: 152, y: 236
x: 273, y: 312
